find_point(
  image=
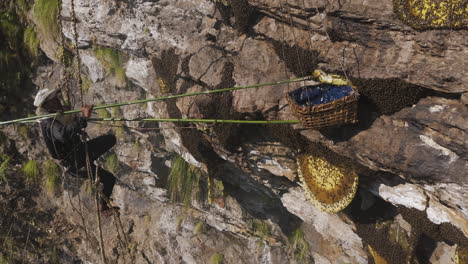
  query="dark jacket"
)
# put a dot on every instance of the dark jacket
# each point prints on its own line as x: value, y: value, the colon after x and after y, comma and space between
x: 62, y: 138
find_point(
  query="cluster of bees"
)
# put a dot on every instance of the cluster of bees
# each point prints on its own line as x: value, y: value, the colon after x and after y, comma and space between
x: 330, y: 187
x: 432, y: 14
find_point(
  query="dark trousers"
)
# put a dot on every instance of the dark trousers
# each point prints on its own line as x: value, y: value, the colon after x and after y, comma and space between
x: 96, y: 148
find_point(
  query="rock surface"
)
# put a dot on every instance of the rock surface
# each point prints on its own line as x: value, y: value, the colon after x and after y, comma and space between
x: 410, y: 146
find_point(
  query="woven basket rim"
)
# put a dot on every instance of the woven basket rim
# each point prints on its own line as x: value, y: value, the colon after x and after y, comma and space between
x: 354, y: 96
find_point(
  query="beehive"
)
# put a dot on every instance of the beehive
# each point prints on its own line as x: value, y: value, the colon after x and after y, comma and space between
x: 432, y: 14
x: 328, y: 186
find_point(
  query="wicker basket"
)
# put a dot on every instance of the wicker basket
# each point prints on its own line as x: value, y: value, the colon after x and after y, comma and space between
x: 334, y: 113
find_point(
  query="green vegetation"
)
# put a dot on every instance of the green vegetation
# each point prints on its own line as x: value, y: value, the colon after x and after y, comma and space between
x: 3, y: 259
x: 65, y: 56
x: 10, y: 31
x: 118, y: 129
x: 112, y: 61
x: 299, y: 247
x: 87, y: 83
x: 88, y: 188
x: 4, y: 162
x: 10, y: 28
x: 112, y: 163
x: 180, y: 220
x: 23, y: 131
x: 199, y: 228
x: 261, y: 229
x: 9, y: 249
x: 217, y: 258
x: 45, y: 12
x: 215, y: 189
x: 30, y: 41
x: 183, y: 181
x: 136, y: 144
x: 50, y: 170
x: 132, y: 247
x: 31, y: 171
x: 103, y: 113
x: 23, y: 5
x: 147, y: 219
x: 15, y: 64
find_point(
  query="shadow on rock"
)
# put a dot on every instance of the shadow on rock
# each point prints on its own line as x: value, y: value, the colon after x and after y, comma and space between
x: 256, y: 199
x: 381, y: 97
x: 372, y: 228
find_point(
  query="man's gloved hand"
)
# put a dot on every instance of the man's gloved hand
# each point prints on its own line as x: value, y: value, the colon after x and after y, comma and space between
x: 86, y: 110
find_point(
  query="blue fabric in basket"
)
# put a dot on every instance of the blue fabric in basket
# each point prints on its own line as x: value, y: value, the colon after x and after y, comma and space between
x: 319, y: 94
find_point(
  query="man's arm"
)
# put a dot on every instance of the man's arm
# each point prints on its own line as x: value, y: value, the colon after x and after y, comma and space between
x: 65, y: 132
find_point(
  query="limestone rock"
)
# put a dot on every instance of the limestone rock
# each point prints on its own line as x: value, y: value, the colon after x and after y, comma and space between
x: 443, y: 253
x: 199, y: 45
x: 273, y: 157
x: 333, y: 229
x: 426, y: 142
x: 344, y: 35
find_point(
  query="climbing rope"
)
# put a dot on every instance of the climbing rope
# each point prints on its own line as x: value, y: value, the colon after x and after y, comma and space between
x: 67, y: 79
x: 77, y: 52
x: 22, y: 120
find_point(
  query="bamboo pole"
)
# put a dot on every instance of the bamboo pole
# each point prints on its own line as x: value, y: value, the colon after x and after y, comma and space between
x: 222, y: 121
x: 159, y: 99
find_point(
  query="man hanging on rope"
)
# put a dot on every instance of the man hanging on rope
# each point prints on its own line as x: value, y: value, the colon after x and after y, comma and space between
x: 62, y: 138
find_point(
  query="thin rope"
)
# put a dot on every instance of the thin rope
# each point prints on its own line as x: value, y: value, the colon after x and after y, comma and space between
x: 160, y: 99
x: 301, y: 66
x: 71, y: 102
x: 85, y: 139
x: 283, y: 48
x: 221, y: 121
x: 65, y: 80
x: 95, y: 182
x: 329, y: 38
x: 77, y: 52
x: 98, y: 211
x: 145, y: 128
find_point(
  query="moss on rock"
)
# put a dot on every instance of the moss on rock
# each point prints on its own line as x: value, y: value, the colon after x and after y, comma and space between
x: 299, y: 247
x: 184, y: 181
x: 31, y: 171
x: 15, y: 63
x: 45, y: 13
x: 30, y: 41
x: 112, y: 60
x: 112, y: 163
x: 50, y: 170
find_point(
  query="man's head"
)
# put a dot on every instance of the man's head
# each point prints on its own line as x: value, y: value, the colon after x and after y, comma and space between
x: 49, y: 100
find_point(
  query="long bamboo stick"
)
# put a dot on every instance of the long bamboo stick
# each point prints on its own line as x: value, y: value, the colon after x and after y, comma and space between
x: 201, y: 120
x: 160, y: 98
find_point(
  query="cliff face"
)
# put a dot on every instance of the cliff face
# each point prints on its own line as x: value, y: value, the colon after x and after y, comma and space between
x: 409, y: 147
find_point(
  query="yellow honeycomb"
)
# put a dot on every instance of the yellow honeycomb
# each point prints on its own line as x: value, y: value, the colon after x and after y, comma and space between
x: 329, y: 187
x: 433, y: 14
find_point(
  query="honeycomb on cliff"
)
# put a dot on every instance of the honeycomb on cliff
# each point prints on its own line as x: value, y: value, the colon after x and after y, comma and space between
x: 330, y: 187
x: 433, y: 14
